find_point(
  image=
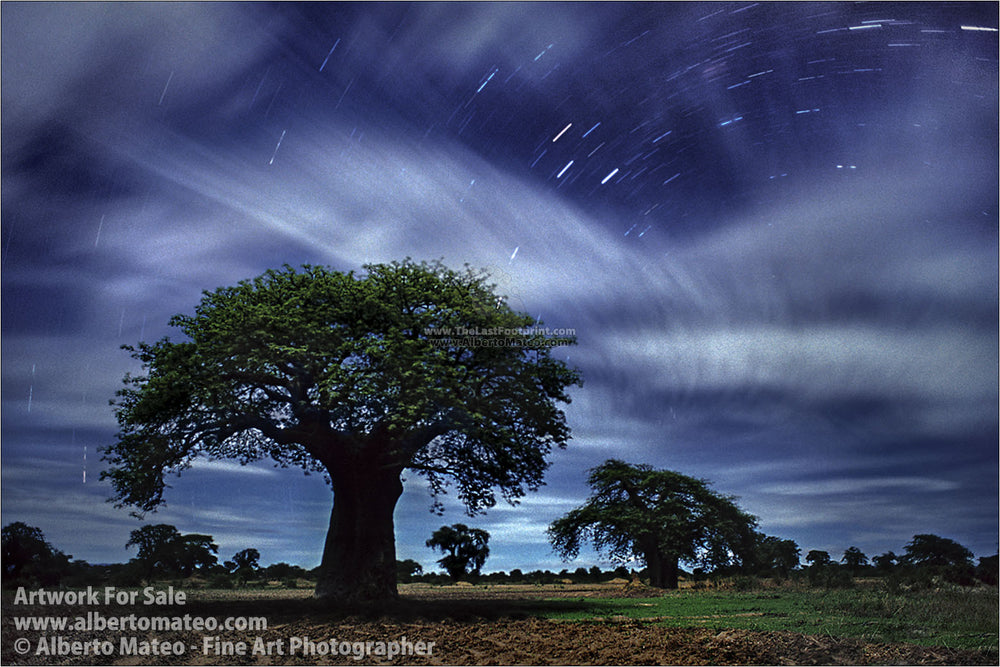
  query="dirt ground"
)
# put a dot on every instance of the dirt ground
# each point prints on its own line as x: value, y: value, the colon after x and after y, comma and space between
x: 478, y: 626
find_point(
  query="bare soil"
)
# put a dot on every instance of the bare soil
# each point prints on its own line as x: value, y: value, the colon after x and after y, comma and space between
x: 473, y: 626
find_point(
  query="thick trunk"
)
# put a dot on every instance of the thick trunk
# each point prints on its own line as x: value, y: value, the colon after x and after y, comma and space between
x: 663, y: 570
x: 359, y: 558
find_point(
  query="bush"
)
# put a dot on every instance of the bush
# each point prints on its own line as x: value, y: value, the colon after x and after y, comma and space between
x: 745, y: 583
x: 830, y: 576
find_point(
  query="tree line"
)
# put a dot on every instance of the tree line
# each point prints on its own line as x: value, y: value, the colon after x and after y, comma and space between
x: 164, y: 554
x: 347, y: 375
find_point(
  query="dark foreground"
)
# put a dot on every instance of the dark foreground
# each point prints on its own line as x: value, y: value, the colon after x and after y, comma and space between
x: 448, y: 627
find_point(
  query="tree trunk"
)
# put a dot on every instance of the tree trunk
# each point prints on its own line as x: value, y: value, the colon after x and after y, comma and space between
x: 663, y: 570
x: 359, y: 557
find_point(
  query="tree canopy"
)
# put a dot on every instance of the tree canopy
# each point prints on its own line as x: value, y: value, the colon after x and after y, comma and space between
x: 357, y: 377
x: 660, y: 516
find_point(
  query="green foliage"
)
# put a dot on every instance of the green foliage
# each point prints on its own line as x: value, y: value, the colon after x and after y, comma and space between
x: 29, y: 558
x: 311, y: 368
x: 465, y: 549
x: 660, y: 516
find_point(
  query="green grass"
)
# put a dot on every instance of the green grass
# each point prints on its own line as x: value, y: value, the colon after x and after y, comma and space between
x: 957, y: 618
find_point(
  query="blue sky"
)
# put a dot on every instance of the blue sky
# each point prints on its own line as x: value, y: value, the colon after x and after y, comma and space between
x: 773, y: 228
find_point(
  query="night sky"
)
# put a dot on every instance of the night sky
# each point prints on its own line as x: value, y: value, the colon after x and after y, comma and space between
x: 773, y: 228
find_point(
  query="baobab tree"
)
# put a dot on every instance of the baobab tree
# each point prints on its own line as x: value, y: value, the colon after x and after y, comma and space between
x: 412, y: 366
x: 660, y: 516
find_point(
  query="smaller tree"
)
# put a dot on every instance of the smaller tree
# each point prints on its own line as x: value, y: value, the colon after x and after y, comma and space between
x: 283, y: 571
x: 817, y: 558
x: 884, y: 563
x: 244, y: 564
x: 155, y: 544
x: 162, y: 549
x: 193, y: 552
x: 855, y: 560
x: 660, y: 516
x: 773, y: 555
x: 465, y: 549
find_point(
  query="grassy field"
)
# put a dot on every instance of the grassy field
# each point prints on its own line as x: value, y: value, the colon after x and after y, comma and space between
x: 953, y: 618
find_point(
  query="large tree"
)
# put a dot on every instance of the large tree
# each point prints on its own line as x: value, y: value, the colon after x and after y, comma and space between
x: 660, y: 516
x: 409, y: 366
x: 465, y: 549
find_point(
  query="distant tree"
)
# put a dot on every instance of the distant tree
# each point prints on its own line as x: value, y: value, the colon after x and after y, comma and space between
x: 659, y: 516
x: 885, y: 562
x: 27, y: 556
x: 407, y: 569
x: 162, y: 549
x: 817, y: 558
x: 773, y: 555
x: 244, y: 564
x: 193, y: 552
x: 465, y: 549
x: 932, y: 556
x: 357, y: 377
x: 824, y: 571
x: 155, y: 544
x: 933, y: 551
x: 282, y: 571
x: 854, y: 559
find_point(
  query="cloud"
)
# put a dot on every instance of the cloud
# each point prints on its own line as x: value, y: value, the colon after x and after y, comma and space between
x: 232, y: 468
x: 857, y: 486
x: 102, y: 63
